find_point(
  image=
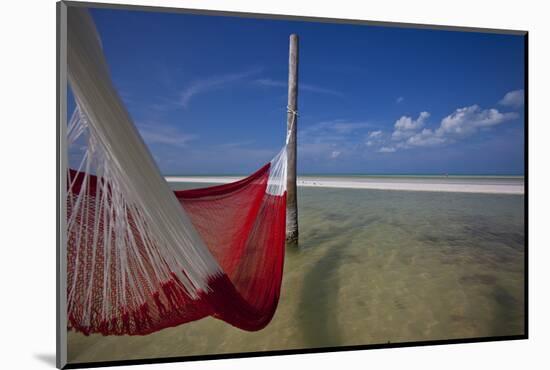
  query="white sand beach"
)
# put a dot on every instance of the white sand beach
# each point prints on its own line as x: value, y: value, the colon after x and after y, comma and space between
x: 437, y: 184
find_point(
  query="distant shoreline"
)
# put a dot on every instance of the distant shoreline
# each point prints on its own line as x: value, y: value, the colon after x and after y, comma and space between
x: 487, y: 185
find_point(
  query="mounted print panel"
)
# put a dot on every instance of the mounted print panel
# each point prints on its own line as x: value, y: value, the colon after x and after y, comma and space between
x: 243, y: 184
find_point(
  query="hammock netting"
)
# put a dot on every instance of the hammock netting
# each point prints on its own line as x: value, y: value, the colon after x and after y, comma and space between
x: 141, y: 257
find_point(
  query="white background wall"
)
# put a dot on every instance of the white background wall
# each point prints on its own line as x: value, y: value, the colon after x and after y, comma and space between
x: 27, y: 203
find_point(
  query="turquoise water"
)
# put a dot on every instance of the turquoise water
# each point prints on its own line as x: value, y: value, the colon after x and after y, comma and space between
x: 373, y: 266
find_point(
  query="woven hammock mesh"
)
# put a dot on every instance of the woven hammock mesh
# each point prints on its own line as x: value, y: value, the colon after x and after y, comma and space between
x: 141, y: 257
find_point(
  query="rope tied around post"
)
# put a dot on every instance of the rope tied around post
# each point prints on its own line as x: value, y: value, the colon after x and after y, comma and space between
x: 292, y: 123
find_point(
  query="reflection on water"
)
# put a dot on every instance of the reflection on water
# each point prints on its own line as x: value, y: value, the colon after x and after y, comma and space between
x: 372, y: 266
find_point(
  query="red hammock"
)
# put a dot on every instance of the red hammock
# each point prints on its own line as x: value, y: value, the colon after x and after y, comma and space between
x: 242, y: 225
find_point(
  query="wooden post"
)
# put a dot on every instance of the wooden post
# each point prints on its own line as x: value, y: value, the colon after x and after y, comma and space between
x: 292, y: 122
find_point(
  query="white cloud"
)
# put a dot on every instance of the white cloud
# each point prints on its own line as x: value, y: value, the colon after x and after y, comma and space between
x: 405, y: 126
x: 399, y: 99
x: 212, y: 83
x: 468, y: 120
x: 399, y: 135
x: 426, y: 137
x: 514, y: 99
x: 332, y: 139
x: 407, y: 123
x: 463, y: 122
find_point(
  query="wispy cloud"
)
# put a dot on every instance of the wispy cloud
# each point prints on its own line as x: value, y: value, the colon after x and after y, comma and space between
x: 267, y: 82
x: 213, y: 83
x: 163, y: 134
x: 332, y: 127
x: 349, y: 127
x: 231, y: 159
x: 374, y: 137
x: 387, y: 149
x: 270, y: 83
x: 514, y: 99
x: 332, y: 139
x: 399, y: 99
x: 375, y: 134
x: 238, y: 144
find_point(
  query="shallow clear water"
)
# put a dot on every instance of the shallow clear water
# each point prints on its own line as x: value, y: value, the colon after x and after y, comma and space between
x: 373, y: 266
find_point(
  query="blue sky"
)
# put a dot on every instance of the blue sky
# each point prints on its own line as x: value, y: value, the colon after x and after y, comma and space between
x: 208, y: 94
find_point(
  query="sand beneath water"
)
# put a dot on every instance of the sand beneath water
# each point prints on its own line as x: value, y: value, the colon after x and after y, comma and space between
x: 372, y: 266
